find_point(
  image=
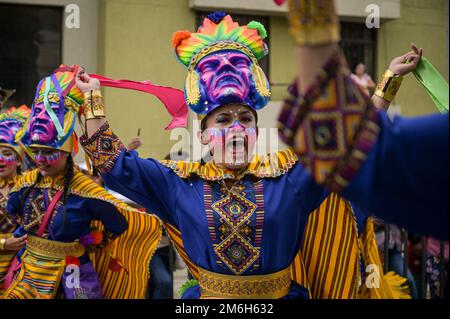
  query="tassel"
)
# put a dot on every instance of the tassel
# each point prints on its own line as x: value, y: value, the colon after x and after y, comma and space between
x: 192, y: 87
x: 260, y: 80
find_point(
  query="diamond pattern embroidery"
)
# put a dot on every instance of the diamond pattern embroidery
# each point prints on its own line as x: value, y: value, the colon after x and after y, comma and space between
x: 234, y: 209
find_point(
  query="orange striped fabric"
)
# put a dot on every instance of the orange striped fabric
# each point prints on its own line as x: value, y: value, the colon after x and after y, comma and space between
x: 5, y: 261
x: 330, y: 252
x: 175, y: 236
x: 39, y: 278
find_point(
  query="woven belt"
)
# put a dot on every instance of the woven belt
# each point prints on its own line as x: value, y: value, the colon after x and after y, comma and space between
x: 271, y: 286
x: 54, y: 249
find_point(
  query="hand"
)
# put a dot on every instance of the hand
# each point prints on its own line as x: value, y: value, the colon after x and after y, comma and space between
x: 85, y: 83
x: 406, y: 63
x: 15, y: 243
x: 134, y: 144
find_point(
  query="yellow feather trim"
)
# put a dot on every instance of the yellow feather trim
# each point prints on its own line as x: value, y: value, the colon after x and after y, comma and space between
x: 271, y: 165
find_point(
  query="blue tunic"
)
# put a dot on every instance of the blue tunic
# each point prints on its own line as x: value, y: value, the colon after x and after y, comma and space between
x: 287, y: 201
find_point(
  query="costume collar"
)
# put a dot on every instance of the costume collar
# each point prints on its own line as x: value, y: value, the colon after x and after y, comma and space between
x: 270, y: 165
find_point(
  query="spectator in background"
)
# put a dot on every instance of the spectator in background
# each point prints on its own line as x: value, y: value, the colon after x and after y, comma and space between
x: 395, y: 257
x: 363, y: 79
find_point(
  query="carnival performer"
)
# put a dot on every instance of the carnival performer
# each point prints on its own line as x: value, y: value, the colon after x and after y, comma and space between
x: 11, y: 155
x: 58, y: 207
x: 397, y: 170
x: 238, y: 220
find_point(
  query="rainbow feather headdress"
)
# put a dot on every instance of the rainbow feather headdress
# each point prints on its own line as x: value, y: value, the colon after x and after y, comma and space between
x: 11, y: 123
x: 219, y: 33
x: 55, y: 107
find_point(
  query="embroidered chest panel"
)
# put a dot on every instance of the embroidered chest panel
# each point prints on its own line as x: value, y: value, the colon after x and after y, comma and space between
x: 235, y: 221
x: 35, y: 208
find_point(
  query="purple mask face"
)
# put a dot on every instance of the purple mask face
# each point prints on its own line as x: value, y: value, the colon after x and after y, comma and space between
x: 42, y: 129
x: 8, y: 130
x: 225, y: 76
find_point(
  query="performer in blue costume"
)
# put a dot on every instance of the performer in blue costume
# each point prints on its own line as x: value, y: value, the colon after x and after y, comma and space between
x: 238, y: 221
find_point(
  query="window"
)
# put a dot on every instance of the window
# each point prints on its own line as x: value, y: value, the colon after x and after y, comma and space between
x: 359, y: 44
x: 31, y: 42
x: 244, y: 20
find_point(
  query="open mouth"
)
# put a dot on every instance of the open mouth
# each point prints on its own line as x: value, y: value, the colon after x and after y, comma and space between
x: 236, y: 145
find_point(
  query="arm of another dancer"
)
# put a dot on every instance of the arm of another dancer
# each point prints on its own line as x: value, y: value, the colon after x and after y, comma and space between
x: 144, y: 181
x: 396, y: 170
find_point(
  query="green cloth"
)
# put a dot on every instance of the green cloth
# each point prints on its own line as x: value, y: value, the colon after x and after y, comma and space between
x: 434, y: 84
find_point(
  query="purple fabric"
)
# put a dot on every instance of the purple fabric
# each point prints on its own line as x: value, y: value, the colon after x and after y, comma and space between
x: 89, y: 284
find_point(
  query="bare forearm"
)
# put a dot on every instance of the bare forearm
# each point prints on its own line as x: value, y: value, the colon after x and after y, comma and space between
x: 314, y: 27
x: 380, y: 103
x: 93, y: 125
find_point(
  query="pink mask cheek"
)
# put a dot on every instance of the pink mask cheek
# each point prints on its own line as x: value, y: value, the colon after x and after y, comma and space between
x: 215, y: 138
x: 8, y: 160
x: 54, y: 159
x: 250, y: 136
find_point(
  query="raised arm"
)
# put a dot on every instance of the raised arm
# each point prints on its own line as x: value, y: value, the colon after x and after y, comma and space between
x: 396, y: 170
x: 398, y: 68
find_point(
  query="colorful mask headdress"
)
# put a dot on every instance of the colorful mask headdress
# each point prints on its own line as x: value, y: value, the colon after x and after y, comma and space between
x: 11, y: 123
x: 54, y: 112
x: 222, y: 61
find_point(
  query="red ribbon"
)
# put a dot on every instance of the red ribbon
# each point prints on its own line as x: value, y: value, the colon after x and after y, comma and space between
x: 173, y: 99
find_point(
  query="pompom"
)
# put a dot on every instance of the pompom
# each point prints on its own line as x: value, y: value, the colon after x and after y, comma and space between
x: 72, y: 261
x: 86, y: 240
x: 97, y: 237
x: 179, y: 36
x: 217, y: 16
x: 188, y: 284
x: 259, y: 27
x: 93, y: 238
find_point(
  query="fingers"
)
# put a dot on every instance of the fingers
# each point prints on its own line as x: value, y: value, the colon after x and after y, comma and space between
x: 417, y: 50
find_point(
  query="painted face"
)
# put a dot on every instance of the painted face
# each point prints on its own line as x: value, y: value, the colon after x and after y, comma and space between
x: 50, y: 162
x: 231, y: 135
x: 8, y: 161
x: 8, y: 130
x: 42, y: 129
